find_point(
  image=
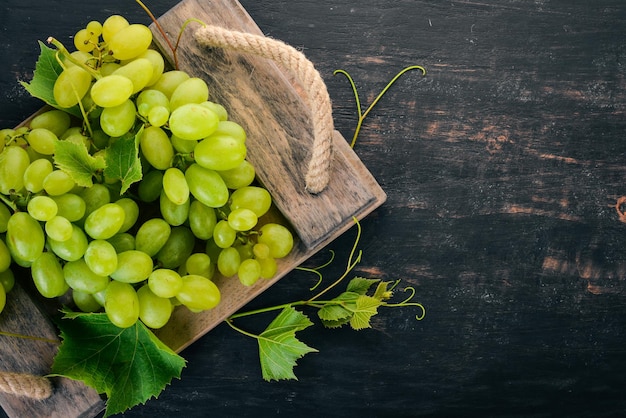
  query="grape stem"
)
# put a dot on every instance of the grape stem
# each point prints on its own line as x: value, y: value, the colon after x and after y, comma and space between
x: 362, y: 115
x: 63, y: 50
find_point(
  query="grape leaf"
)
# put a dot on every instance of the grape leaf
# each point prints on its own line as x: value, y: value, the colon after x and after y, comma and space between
x: 129, y: 365
x: 47, y: 70
x: 360, y: 285
x: 278, y: 346
x: 74, y: 158
x: 122, y: 160
x: 366, y: 307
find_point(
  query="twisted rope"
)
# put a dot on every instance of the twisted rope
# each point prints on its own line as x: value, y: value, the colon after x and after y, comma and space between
x: 24, y: 384
x: 318, y: 172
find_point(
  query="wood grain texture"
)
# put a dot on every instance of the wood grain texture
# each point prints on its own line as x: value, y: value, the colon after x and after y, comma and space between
x: 502, y: 168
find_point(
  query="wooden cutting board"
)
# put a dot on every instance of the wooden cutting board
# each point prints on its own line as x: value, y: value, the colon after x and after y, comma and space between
x: 268, y: 102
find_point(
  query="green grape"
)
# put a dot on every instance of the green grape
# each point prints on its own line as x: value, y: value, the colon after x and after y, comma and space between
x: 42, y: 208
x: 278, y: 238
x: 48, y: 276
x: 5, y: 215
x: 70, y: 206
x: 85, y: 41
x: 101, y: 257
x: 178, y: 247
x: 111, y: 90
x: 14, y: 161
x: 199, y: 264
x: 100, y: 296
x: 80, y: 277
x: 183, y: 146
x: 242, y: 219
x: 150, y: 187
x: 112, y: 25
x: 239, y: 177
x: 152, y: 236
x: 244, y: 249
x: 100, y: 139
x: 70, y: 86
x: 218, y: 109
x: 7, y: 280
x: 24, y: 238
x: 158, y: 64
x: 198, y: 293
x: 220, y: 152
x: 228, y: 261
x: 105, y: 221
x: 59, y: 228
x: 85, y: 302
x: 268, y: 267
x: 95, y: 196
x: 131, y: 212
x: 121, y: 304
x: 5, y: 257
x: 94, y: 28
x: 35, y: 174
x: 175, y: 186
x: 165, y: 283
x: 223, y: 234
x: 156, y: 147
x: 158, y: 115
x: 79, y: 56
x: 133, y: 266
x: 115, y: 121
x: 207, y: 186
x: 154, y: 311
x: 193, y: 121
x: 202, y: 220
x: 192, y: 90
x: 58, y: 182
x: 122, y: 242
x: 249, y: 272
x: 257, y: 199
x: 138, y: 71
x: 261, y: 250
x: 232, y: 129
x: 109, y: 68
x: 55, y: 120
x: 71, y: 249
x: 42, y: 140
x: 174, y: 214
x: 130, y: 41
x: 168, y: 82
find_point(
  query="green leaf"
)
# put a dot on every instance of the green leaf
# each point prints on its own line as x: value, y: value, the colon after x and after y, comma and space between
x: 47, y: 70
x: 129, y: 365
x: 278, y: 346
x: 122, y: 160
x: 366, y: 307
x: 74, y: 158
x: 360, y: 285
x: 339, y: 311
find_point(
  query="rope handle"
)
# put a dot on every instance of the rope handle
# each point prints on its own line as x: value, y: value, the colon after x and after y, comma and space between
x: 25, y: 384
x: 318, y: 172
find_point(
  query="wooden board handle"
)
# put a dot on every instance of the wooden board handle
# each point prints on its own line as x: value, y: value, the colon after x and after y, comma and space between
x: 318, y: 172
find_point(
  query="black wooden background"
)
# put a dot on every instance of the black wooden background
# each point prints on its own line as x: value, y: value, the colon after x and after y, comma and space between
x: 502, y: 167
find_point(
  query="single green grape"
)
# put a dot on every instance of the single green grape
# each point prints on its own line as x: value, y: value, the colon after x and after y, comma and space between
x: 7, y: 280
x: 43, y: 208
x: 178, y: 247
x: 223, y: 234
x: 111, y: 90
x: 48, y: 276
x: 42, y: 140
x: 115, y: 121
x: 154, y: 311
x: 85, y: 302
x: 58, y: 182
x: 35, y: 174
x: 55, y: 120
x: 121, y: 304
x: 130, y: 41
x: 165, y: 283
x: 174, y: 214
x: 175, y: 186
x: 192, y: 90
x: 257, y: 199
x: 71, y: 249
x: 105, y: 221
x: 112, y: 25
x: 198, y: 293
x: 70, y: 206
x: 207, y: 186
x: 5, y: 256
x: 249, y: 272
x: 122, y: 242
x: 150, y: 186
x: 131, y: 212
x: 152, y: 236
x: 138, y: 71
x: 193, y: 121
x: 202, y: 220
x: 133, y: 266
x: 278, y: 238
x: 156, y: 147
x: 168, y: 82
x: 101, y: 257
x: 70, y: 86
x: 5, y: 215
x: 59, y: 228
x: 13, y: 164
x: 220, y: 152
x: 80, y: 277
x: 228, y: 261
x: 242, y: 219
x: 269, y: 267
x: 158, y: 64
x: 241, y: 176
x: 199, y: 264
x: 24, y: 237
x: 218, y: 109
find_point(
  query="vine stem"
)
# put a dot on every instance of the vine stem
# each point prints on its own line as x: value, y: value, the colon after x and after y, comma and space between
x: 161, y: 31
x: 28, y: 337
x: 363, y: 115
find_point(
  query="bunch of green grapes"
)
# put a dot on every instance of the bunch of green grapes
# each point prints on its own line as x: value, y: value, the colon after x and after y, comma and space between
x: 196, y: 212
